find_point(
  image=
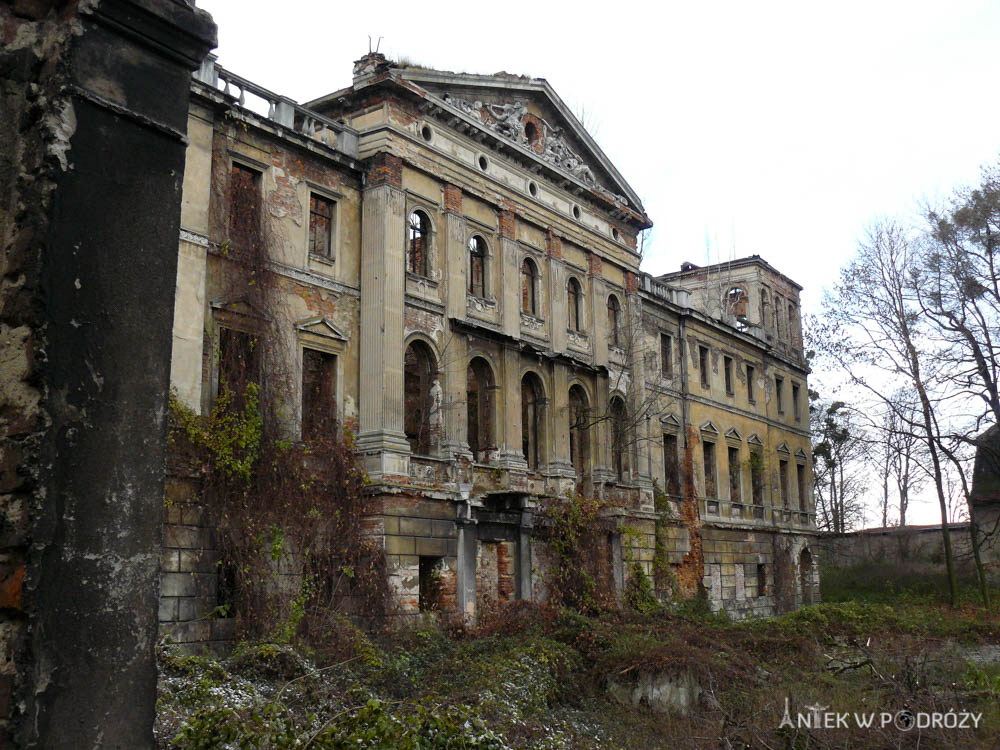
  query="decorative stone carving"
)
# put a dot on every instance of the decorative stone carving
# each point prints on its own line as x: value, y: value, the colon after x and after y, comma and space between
x: 507, y: 120
x: 578, y: 339
x: 531, y: 322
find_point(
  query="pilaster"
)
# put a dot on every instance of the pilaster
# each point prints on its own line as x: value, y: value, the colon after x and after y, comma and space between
x: 381, y: 438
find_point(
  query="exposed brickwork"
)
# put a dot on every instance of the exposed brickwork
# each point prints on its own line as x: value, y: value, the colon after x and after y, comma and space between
x: 507, y: 224
x: 553, y: 245
x: 384, y: 169
x: 453, y: 199
x: 631, y: 282
x: 595, y: 265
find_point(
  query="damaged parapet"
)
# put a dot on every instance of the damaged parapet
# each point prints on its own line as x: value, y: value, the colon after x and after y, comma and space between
x: 281, y: 110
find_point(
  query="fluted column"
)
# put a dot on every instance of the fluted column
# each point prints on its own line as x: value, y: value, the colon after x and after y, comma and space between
x: 381, y: 439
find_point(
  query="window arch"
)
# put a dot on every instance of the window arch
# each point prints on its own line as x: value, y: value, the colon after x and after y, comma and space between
x: 529, y: 287
x: 614, y: 321
x: 573, y: 304
x: 419, y: 248
x: 619, y: 452
x: 736, y: 302
x: 479, y: 405
x: 421, y: 394
x: 477, y: 266
x: 579, y: 431
x: 532, y: 420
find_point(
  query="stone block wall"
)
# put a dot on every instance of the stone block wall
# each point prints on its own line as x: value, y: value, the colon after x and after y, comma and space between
x: 189, y: 613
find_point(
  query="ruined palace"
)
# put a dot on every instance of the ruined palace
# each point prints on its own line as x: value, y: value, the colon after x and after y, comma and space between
x: 460, y: 286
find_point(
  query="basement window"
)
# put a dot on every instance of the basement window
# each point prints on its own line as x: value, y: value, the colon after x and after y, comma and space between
x: 429, y: 577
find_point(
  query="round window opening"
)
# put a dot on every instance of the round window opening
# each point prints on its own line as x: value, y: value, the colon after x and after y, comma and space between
x: 576, y: 212
x: 427, y: 133
x: 533, y: 189
x: 484, y: 163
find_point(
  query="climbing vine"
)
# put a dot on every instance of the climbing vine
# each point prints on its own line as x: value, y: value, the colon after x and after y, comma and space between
x: 579, y: 539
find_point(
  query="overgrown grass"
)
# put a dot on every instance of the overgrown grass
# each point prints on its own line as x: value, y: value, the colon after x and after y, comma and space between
x: 533, y: 676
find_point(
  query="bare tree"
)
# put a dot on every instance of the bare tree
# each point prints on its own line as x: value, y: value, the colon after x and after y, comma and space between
x: 839, y: 475
x: 874, y: 330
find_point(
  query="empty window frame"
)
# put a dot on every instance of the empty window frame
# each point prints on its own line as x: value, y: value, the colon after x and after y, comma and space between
x: 429, y: 583
x: 703, y: 365
x: 239, y: 364
x: 244, y: 206
x: 322, y: 219
x: 579, y: 431
x: 666, y: 356
x: 479, y: 392
x: 761, y: 579
x: 751, y: 396
x: 735, y: 491
x: 708, y: 465
x: 671, y: 465
x: 419, y: 247
x: 727, y: 367
x: 573, y: 306
x: 477, y: 266
x: 419, y: 374
x: 800, y: 475
x: 529, y: 287
x: 757, y: 477
x: 783, y: 480
x: 531, y: 420
x: 795, y: 402
x: 619, y: 449
x: 779, y: 393
x: 319, y: 394
x: 614, y: 321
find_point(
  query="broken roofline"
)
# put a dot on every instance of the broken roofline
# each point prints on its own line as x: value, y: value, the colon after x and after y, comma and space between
x: 749, y: 260
x: 378, y: 70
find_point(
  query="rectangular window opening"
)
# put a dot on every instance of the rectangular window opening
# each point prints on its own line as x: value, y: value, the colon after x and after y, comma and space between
x: 750, y: 394
x: 244, y: 205
x: 703, y: 365
x: 783, y: 479
x: 757, y: 477
x: 795, y: 402
x: 671, y: 465
x: 761, y: 579
x: 319, y: 394
x: 734, y: 475
x: 779, y: 387
x: 321, y: 225
x: 800, y: 471
x: 429, y: 581
x: 709, y: 461
x: 727, y: 366
x: 666, y: 356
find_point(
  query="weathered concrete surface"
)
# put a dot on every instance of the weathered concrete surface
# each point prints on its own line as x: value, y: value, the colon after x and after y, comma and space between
x: 95, y: 98
x: 663, y: 693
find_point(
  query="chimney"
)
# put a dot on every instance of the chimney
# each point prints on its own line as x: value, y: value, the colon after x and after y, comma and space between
x: 369, y: 66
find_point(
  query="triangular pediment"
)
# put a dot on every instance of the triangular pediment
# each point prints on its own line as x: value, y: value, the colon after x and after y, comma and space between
x: 321, y: 326
x: 733, y: 434
x: 754, y: 439
x: 669, y: 422
x: 709, y: 428
x: 239, y: 306
x: 801, y: 454
x: 783, y: 448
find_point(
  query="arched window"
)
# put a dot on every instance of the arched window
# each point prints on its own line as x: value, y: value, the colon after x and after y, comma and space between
x: 479, y: 392
x: 806, y: 577
x: 573, y: 304
x: 619, y: 452
x: 477, y: 266
x: 763, y: 309
x: 614, y: 321
x: 579, y: 431
x: 736, y: 302
x: 532, y: 405
x: 529, y: 287
x: 419, y: 379
x: 420, y: 243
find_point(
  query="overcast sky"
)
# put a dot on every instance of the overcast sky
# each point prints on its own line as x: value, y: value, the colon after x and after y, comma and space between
x: 744, y: 127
